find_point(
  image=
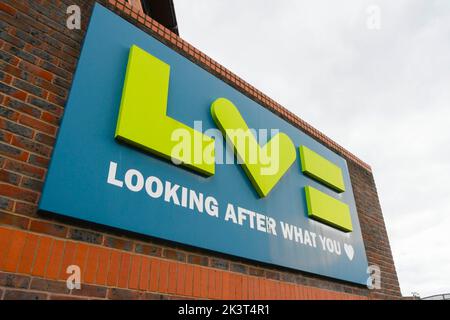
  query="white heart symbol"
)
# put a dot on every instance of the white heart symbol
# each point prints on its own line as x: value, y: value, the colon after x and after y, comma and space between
x: 349, y: 251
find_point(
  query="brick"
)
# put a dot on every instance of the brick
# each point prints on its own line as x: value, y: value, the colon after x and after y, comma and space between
x: 219, y: 263
x: 38, y: 161
x: 172, y: 278
x: 203, y: 282
x: 36, y: 70
x: 292, y: 289
x: 12, y: 280
x: 189, y: 281
x: 308, y: 293
x: 25, y: 209
x: 23, y: 295
x: 5, y: 243
x: 121, y: 244
x: 54, y: 69
x: 61, y: 82
x: 135, y: 271
x: 37, y: 124
x: 64, y: 297
x: 288, y: 277
x: 8, y: 113
x: 45, y: 139
x: 305, y: 292
x: 123, y: 294
x: 90, y: 271
x: 273, y: 290
x: 124, y: 271
x: 53, y: 286
x: 196, y: 284
x: 148, y: 249
x: 33, y: 36
x: 211, y: 287
x: 262, y: 289
x: 180, y: 278
x: 237, y: 267
x: 8, y: 9
x: 30, y: 145
x: 251, y: 288
x: 86, y: 236
x: 48, y: 228
x: 12, y: 70
x: 21, y: 106
x: 68, y: 259
x: 5, y: 136
x: 24, y: 169
x: 81, y: 256
x: 14, y: 220
x: 256, y: 290
x: 144, y: 274
x: 283, y: 291
x: 235, y: 286
x: 114, y: 268
x: 9, y: 177
x: 241, y: 287
x: 50, y: 118
x: 274, y: 275
x: 218, y: 285
x: 197, y: 259
x: 9, y: 58
x: 42, y: 257
x: 245, y: 288
x: 5, y: 78
x: 40, y: 53
x: 174, y: 255
x: 53, y: 98
x: 153, y: 296
x: 90, y: 291
x: 32, y: 184
x: 45, y: 105
x: 256, y: 272
x: 19, y: 52
x: 56, y: 260
x: 29, y: 88
x: 103, y: 265
x: 12, y: 256
x: 154, y: 274
x: 297, y: 293
x: 6, y: 204
x: 163, y: 276
x: 16, y: 128
x: 15, y: 153
x: 226, y: 290
x: 50, y: 87
x: 259, y: 289
x: 68, y: 64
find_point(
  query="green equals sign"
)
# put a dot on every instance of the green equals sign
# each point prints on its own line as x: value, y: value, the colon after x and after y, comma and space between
x: 321, y: 206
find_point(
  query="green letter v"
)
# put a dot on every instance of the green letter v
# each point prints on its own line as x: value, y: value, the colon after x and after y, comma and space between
x: 264, y: 166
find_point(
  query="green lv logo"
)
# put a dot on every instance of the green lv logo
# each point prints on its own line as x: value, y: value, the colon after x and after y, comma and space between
x: 143, y: 123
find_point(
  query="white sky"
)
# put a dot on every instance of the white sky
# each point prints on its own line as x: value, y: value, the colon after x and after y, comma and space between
x: 383, y: 94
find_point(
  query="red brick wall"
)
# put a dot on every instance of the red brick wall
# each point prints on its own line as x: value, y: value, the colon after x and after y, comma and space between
x: 38, y: 57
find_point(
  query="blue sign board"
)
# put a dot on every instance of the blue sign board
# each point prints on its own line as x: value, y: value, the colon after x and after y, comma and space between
x: 88, y: 173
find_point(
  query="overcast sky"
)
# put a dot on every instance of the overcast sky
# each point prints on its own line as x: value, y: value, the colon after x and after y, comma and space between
x: 379, y: 87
